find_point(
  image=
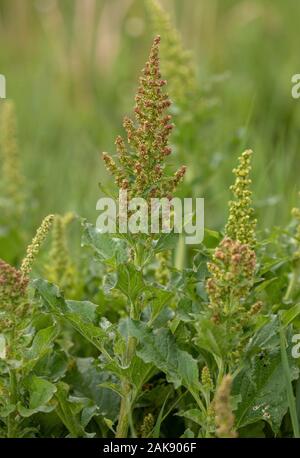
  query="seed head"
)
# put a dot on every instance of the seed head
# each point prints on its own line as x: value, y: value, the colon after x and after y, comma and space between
x: 177, y: 62
x: 12, y: 183
x: 60, y: 269
x: 34, y: 248
x: 232, y: 276
x: 140, y: 165
x: 224, y: 417
x: 206, y: 379
x: 147, y: 425
x: 241, y: 224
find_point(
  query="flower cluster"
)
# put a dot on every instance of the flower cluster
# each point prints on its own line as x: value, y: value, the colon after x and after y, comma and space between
x: 177, y: 62
x: 141, y: 164
x: 232, y: 276
x: 224, y: 417
x: 13, y: 303
x: 296, y: 216
x: 60, y: 269
x: 34, y: 248
x: 241, y: 224
x: 12, y: 184
x: 206, y: 379
x: 147, y: 425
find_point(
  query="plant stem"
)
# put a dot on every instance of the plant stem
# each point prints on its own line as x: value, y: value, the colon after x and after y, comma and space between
x: 126, y: 402
x: 292, y: 283
x: 288, y: 384
x: 13, y: 391
x: 11, y: 432
x: 123, y: 423
x: 180, y: 254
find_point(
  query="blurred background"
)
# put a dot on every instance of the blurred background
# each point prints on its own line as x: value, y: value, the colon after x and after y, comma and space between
x: 72, y: 68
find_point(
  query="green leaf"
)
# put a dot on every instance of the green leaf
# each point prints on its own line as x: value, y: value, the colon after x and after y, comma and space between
x: 156, y: 430
x: 88, y: 380
x: 211, y: 238
x: 212, y: 337
x: 193, y: 414
x: 95, y: 335
x: 56, y: 303
x: 68, y: 411
x: 158, y: 300
x: 262, y: 387
x: 85, y: 309
x: 129, y: 281
x: 40, y: 393
x: 105, y: 246
x: 166, y: 242
x: 288, y: 316
x: 42, y: 343
x: 159, y: 347
x: 266, y: 338
x: 289, y: 387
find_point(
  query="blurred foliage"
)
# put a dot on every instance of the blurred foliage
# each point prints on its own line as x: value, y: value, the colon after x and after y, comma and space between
x: 71, y: 68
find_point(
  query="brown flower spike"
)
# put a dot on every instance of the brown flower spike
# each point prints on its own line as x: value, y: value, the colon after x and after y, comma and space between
x: 140, y: 167
x: 223, y: 412
x: 13, y: 297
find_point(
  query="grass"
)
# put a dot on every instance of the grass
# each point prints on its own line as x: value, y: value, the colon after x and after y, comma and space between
x: 254, y: 42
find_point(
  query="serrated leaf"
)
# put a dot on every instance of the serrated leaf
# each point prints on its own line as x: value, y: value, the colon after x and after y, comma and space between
x: 40, y: 392
x: 288, y: 316
x: 159, y: 347
x: 212, y: 337
x: 129, y: 281
x: 105, y: 246
x: 262, y: 387
x: 86, y: 309
x: 166, y: 242
x: 57, y: 304
x: 42, y: 342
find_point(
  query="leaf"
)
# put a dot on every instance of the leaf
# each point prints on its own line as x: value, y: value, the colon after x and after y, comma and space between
x: 266, y: 338
x: 53, y: 365
x: 158, y: 300
x: 56, y: 303
x: 68, y: 411
x: 105, y: 246
x: 166, y: 242
x: 193, y: 414
x: 40, y: 393
x: 42, y: 343
x: 257, y: 383
x: 211, y: 238
x: 288, y: 316
x: 159, y: 347
x: 156, y: 430
x: 86, y: 309
x: 289, y: 387
x: 94, y: 334
x: 129, y: 281
x: 212, y: 337
x: 88, y: 380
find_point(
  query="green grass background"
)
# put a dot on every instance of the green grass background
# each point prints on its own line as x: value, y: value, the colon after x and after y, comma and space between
x: 72, y: 68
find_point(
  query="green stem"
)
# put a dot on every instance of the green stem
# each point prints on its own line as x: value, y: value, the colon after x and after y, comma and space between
x: 13, y: 391
x: 126, y: 402
x: 288, y: 384
x: 292, y: 283
x: 123, y: 423
x: 180, y: 254
x: 11, y: 430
